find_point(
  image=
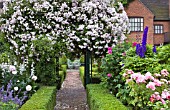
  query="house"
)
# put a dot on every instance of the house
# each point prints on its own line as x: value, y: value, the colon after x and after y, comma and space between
x: 152, y: 13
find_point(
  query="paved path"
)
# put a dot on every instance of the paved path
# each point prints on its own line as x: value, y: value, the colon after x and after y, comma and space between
x: 72, y: 95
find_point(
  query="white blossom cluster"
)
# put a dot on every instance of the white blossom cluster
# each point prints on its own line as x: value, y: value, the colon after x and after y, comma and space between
x: 92, y: 25
x: 30, y: 20
x: 96, y: 26
x: 11, y: 70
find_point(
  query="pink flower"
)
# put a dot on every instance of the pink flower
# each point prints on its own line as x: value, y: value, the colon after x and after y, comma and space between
x: 135, y: 76
x: 109, y: 50
x: 164, y: 72
x: 165, y: 94
x: 157, y: 75
x: 134, y: 44
x: 124, y: 74
x: 128, y: 80
x: 151, y: 85
x: 148, y: 75
x: 129, y: 72
x: 109, y: 75
x: 168, y: 96
x: 124, y: 54
x: 163, y: 101
x: 157, y: 82
x: 140, y: 79
x: 152, y: 98
x: 157, y: 97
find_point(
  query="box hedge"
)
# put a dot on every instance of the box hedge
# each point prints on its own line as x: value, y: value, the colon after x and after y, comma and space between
x: 99, y: 98
x: 43, y: 99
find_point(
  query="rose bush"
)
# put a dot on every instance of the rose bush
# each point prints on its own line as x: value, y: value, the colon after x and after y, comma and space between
x: 111, y: 67
x: 148, y: 91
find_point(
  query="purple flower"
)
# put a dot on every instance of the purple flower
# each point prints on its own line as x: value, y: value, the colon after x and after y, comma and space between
x: 154, y: 49
x: 144, y: 39
x: 141, y: 49
x: 137, y: 48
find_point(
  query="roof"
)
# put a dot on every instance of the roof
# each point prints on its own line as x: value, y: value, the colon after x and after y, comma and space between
x: 160, y: 8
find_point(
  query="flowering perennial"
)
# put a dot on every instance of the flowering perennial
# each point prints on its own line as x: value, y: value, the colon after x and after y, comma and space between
x: 156, y: 86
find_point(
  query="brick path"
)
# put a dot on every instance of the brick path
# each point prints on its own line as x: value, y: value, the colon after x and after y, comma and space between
x: 72, y: 95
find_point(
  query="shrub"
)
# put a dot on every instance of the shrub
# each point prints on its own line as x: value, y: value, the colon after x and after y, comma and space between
x: 100, y: 99
x: 82, y: 59
x: 46, y: 71
x: 163, y: 54
x: 148, y: 92
x: 111, y: 67
x: 44, y: 99
x: 142, y: 65
x: 64, y: 69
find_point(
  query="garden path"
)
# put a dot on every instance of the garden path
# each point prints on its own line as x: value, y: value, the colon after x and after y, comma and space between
x: 72, y: 95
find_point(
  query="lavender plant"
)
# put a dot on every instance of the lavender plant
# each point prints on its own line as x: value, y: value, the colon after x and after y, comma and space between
x: 14, y: 87
x: 9, y: 95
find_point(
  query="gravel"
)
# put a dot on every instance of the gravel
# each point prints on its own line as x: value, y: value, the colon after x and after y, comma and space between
x: 72, y: 95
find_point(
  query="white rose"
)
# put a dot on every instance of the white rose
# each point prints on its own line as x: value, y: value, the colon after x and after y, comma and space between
x: 28, y: 88
x: 16, y: 88
x: 14, y: 72
x: 34, y: 78
x: 12, y: 68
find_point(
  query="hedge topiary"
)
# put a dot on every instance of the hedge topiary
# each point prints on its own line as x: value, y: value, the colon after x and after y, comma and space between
x: 43, y: 99
x: 100, y: 99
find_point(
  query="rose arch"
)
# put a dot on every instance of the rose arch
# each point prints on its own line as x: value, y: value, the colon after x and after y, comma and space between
x: 39, y: 30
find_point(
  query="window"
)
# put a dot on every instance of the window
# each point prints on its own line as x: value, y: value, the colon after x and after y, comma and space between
x: 136, y: 24
x: 158, y: 29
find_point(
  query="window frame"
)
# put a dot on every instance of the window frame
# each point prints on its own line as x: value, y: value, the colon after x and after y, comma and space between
x: 136, y: 22
x: 158, y: 30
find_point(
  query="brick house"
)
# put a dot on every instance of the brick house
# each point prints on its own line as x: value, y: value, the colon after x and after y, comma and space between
x: 152, y: 13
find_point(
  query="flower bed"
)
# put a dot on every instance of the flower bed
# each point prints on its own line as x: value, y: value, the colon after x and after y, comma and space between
x: 44, y: 99
x: 100, y: 99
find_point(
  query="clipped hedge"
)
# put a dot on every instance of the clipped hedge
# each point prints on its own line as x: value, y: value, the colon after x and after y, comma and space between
x: 100, y: 99
x: 43, y: 99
